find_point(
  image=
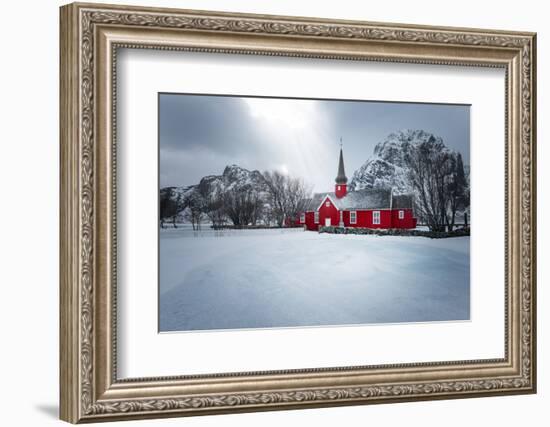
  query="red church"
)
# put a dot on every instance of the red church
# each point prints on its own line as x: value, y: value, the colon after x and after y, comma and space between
x: 369, y: 208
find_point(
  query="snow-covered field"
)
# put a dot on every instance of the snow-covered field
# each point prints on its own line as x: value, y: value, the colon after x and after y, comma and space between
x: 280, y: 278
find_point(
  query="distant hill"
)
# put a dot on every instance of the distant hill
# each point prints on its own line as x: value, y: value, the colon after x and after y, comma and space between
x: 233, y: 177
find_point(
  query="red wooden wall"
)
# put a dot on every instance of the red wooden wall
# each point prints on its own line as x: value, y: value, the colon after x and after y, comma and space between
x: 388, y: 218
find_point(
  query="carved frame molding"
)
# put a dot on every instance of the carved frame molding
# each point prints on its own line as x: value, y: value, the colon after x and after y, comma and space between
x: 90, y: 37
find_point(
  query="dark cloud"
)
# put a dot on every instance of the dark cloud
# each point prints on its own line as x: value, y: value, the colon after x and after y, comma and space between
x: 200, y: 135
x: 219, y: 124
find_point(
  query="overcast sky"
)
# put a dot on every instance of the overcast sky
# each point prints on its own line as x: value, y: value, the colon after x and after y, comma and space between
x: 200, y: 135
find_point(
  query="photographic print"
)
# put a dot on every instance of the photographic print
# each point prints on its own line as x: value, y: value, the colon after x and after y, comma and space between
x: 284, y: 212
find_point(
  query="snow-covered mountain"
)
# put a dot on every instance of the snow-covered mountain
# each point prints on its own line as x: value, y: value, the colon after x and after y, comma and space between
x: 233, y: 177
x: 387, y: 168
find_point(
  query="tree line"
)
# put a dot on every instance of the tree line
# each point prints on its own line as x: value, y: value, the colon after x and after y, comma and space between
x: 436, y: 176
x: 440, y: 185
x: 279, y: 199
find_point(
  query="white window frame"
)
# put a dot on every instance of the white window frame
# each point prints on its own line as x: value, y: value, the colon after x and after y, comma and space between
x: 338, y: 188
x: 376, y: 217
x: 302, y: 218
x: 316, y: 217
x: 401, y: 214
x: 353, y: 217
x: 327, y: 204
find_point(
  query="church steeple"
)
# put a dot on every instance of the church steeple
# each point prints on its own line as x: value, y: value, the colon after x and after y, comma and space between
x: 341, y: 179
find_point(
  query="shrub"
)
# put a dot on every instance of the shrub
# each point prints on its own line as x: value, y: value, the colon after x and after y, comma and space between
x: 460, y: 232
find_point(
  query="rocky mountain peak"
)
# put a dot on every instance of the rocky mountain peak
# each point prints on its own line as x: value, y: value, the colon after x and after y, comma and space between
x: 388, y: 165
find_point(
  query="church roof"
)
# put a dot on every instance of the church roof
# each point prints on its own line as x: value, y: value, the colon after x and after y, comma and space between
x: 363, y: 199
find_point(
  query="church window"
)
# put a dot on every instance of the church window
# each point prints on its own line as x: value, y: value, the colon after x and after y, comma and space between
x: 376, y: 217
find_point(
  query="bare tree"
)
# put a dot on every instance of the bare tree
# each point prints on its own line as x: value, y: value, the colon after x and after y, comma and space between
x: 231, y: 206
x: 242, y: 206
x: 457, y: 191
x: 194, y: 209
x: 287, y: 196
x: 296, y: 195
x: 276, y: 183
x: 215, y: 211
x: 429, y: 171
x: 440, y: 184
x: 268, y: 216
x: 256, y: 207
x: 170, y: 205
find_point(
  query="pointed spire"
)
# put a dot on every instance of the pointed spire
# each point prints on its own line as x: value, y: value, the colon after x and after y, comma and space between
x: 341, y: 177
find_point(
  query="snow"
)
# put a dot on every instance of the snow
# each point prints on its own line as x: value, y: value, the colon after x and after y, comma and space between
x: 232, y: 177
x: 288, y: 278
x: 387, y: 168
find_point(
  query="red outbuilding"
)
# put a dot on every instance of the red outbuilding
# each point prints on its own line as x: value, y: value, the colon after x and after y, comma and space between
x: 369, y: 208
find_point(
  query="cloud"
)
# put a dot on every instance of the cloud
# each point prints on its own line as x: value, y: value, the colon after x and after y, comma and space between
x: 201, y: 134
x: 219, y: 124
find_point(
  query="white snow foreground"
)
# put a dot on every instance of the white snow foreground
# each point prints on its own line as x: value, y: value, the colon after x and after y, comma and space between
x: 288, y: 278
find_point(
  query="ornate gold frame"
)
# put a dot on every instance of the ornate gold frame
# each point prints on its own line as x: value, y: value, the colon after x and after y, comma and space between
x: 90, y: 36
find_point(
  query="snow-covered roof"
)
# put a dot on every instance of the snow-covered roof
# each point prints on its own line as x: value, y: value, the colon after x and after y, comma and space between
x: 402, y: 201
x: 363, y: 199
